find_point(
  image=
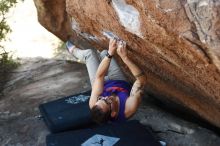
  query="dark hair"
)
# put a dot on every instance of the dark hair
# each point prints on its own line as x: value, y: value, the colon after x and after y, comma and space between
x: 99, y: 116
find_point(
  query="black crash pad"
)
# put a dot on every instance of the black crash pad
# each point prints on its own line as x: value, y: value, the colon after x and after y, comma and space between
x: 130, y: 133
x: 67, y: 113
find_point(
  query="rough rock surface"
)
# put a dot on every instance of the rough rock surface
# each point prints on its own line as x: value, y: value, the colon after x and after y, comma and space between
x: 176, y: 43
x: 36, y: 81
x: 40, y: 80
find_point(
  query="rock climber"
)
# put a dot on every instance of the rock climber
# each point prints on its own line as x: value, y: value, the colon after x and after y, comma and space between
x: 112, y: 97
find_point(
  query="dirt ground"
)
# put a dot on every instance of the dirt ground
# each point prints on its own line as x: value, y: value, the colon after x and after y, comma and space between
x: 36, y: 81
x: 40, y: 80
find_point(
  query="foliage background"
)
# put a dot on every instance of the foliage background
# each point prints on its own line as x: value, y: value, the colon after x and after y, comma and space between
x: 6, y: 62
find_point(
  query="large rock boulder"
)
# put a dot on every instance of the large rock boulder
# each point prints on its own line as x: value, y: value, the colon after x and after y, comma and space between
x: 176, y: 43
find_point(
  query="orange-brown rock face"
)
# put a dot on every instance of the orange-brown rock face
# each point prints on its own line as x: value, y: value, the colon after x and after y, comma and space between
x: 176, y: 42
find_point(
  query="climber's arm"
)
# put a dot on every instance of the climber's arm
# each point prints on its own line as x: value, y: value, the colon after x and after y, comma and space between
x: 97, y: 86
x: 134, y: 99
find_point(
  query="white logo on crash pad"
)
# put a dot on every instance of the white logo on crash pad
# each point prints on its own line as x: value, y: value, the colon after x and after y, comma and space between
x: 77, y: 99
x: 101, y: 140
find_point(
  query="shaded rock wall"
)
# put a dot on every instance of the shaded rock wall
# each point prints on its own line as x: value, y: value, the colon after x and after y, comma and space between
x: 176, y: 43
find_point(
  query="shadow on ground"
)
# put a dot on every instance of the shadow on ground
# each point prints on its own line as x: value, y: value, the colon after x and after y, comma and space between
x: 40, y: 80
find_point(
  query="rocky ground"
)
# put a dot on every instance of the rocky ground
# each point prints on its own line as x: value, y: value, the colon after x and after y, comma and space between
x: 40, y: 80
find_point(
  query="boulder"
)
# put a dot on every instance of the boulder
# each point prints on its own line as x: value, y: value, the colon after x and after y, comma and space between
x: 175, y: 42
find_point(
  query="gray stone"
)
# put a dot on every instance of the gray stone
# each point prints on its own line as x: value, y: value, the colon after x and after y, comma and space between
x: 36, y: 81
x: 40, y: 80
x: 173, y: 130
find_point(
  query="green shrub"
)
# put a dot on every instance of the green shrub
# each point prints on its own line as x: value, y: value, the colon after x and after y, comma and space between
x: 7, y: 64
